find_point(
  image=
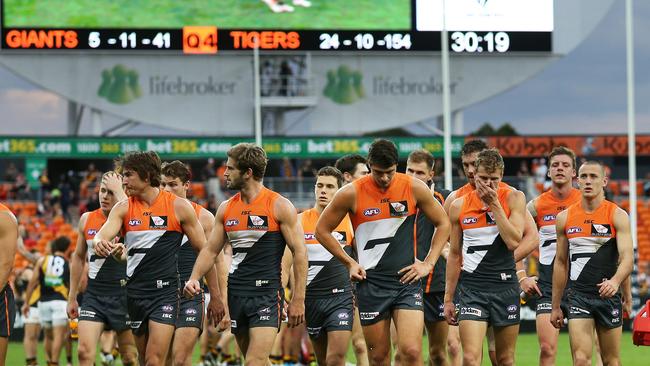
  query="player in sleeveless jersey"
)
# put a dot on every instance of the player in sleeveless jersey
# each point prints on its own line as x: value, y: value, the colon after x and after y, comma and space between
x: 104, y: 304
x: 420, y: 165
x: 258, y: 223
x: 382, y: 209
x: 176, y: 179
x: 353, y: 167
x: 52, y: 274
x: 153, y: 223
x: 487, y: 226
x: 593, y: 235
x: 8, y: 243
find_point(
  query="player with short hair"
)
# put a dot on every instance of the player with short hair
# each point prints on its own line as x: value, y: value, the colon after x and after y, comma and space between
x: 382, y: 208
x: 8, y: 243
x: 53, y: 276
x: 104, y: 303
x: 153, y: 222
x: 420, y: 165
x: 175, y: 179
x: 593, y: 235
x: 258, y: 223
x: 352, y: 166
x: 487, y: 226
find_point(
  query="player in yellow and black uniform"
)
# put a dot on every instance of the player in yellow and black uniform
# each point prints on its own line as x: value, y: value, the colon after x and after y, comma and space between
x: 53, y: 275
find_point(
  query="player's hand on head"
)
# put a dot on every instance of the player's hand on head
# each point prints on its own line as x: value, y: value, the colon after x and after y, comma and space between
x: 607, y: 288
x: 415, y: 271
x: 449, y: 310
x: 357, y: 273
x: 296, y: 313
x: 112, y: 181
x: 73, y: 309
x: 557, y: 318
x: 192, y: 288
x: 216, y: 311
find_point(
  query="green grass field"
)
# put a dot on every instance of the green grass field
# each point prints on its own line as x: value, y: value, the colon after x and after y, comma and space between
x: 323, y: 14
x: 527, y: 351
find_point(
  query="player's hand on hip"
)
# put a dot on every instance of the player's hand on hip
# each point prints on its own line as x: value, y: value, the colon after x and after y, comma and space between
x: 73, y: 309
x: 607, y: 288
x: 529, y: 286
x: 449, y: 310
x: 415, y: 271
x: 216, y: 311
x: 103, y: 248
x: 192, y: 288
x: 296, y: 313
x: 357, y: 273
x: 557, y: 318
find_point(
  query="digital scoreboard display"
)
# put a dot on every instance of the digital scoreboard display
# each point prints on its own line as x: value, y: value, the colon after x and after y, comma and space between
x: 211, y: 26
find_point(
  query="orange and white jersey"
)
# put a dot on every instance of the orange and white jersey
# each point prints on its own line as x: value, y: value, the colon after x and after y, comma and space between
x: 152, y: 238
x: 257, y: 243
x: 106, y: 276
x: 186, y: 254
x: 326, y: 275
x: 486, y: 258
x: 593, y: 250
x: 384, y: 227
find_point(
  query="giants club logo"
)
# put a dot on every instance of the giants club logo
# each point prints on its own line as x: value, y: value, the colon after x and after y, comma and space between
x: 258, y: 222
x: 158, y: 222
x: 399, y: 209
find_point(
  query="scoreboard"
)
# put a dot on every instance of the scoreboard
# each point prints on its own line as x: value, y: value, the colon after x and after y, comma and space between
x: 474, y: 26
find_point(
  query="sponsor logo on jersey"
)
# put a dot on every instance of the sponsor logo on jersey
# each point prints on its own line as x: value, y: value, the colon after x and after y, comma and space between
x: 489, y: 218
x: 398, y: 209
x: 549, y: 218
x: 231, y: 222
x: 260, y: 283
x: 256, y: 222
x: 470, y: 311
x: 470, y: 220
x: 601, y: 230
x: 161, y: 283
x: 338, y: 290
x: 135, y: 222
x: 369, y: 212
x: 574, y: 230
x: 512, y: 308
x: 158, y: 222
x: 167, y: 308
x: 91, y: 232
x: 310, y: 236
x: 341, y: 236
x: 190, y: 311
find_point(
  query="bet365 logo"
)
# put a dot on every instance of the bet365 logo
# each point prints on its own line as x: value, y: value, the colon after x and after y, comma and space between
x: 344, y: 86
x: 120, y: 85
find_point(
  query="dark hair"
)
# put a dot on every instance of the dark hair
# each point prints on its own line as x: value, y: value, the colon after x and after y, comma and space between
x: 383, y: 153
x: 491, y: 160
x: 330, y: 171
x: 145, y: 163
x: 348, y: 163
x: 60, y: 244
x: 249, y: 156
x: 473, y: 146
x: 562, y: 150
x: 422, y: 155
x: 176, y: 169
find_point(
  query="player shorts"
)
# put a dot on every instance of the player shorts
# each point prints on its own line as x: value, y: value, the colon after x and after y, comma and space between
x: 32, y: 315
x: 606, y: 313
x: 325, y: 314
x: 7, y: 311
x: 544, y: 303
x: 53, y: 313
x: 376, y: 302
x: 434, y: 307
x: 110, y: 310
x: 160, y: 309
x: 247, y: 312
x: 190, y: 312
x: 497, y: 308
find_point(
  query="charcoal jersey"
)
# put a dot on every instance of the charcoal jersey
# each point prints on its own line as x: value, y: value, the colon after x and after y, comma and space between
x: 593, y: 250
x: 384, y: 228
x: 152, y: 238
x: 435, y: 281
x: 106, y: 275
x: 257, y: 244
x: 54, y: 278
x: 487, y: 261
x: 326, y: 276
x: 547, y: 206
x: 187, y: 254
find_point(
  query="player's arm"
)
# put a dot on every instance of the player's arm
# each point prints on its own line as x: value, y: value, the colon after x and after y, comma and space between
x: 530, y: 238
x: 103, y: 241
x: 36, y: 275
x: 8, y: 242
x: 436, y: 214
x: 334, y: 213
x: 77, y: 260
x: 31, y: 257
x: 291, y: 229
x: 560, y: 269
x: 453, y: 261
x: 287, y: 261
x: 448, y: 201
x: 208, y: 254
x: 609, y: 288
